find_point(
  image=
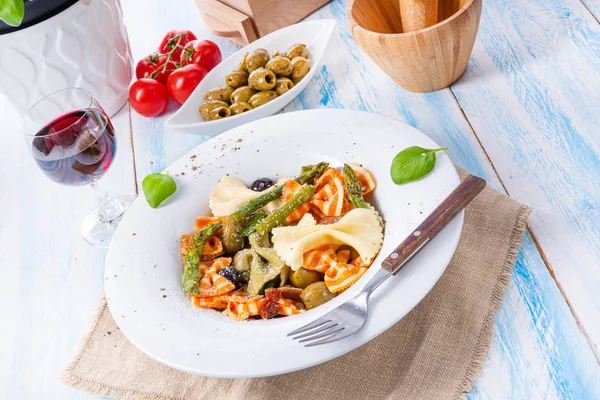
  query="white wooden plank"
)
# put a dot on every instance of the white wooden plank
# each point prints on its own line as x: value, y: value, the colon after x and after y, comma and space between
x: 532, y: 94
x: 50, y: 279
x: 593, y: 6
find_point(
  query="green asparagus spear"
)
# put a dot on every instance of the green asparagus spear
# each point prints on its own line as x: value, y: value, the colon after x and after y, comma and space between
x: 191, y: 272
x: 306, y: 168
x: 276, y: 217
x: 312, y: 174
x: 353, y: 187
x: 249, y: 226
x: 261, y: 201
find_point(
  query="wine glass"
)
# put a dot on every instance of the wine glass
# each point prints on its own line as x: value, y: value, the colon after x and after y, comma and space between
x: 73, y: 142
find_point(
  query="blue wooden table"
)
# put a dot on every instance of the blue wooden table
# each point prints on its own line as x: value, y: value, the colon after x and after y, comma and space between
x: 525, y: 116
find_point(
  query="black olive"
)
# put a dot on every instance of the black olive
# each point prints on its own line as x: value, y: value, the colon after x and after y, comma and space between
x: 261, y: 184
x: 233, y: 275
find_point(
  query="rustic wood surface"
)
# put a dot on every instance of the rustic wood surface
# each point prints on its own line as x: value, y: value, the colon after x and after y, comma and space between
x: 524, y: 117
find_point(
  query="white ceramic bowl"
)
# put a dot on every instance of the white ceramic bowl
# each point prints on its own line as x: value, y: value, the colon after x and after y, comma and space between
x: 316, y: 36
x: 143, y: 267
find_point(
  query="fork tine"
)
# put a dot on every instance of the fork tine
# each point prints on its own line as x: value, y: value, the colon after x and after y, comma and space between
x: 327, y: 334
x: 316, y: 323
x: 339, y: 335
x: 315, y: 331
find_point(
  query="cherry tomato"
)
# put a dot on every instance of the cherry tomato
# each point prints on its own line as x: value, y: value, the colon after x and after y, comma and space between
x: 146, y: 66
x: 183, y: 81
x: 148, y: 97
x: 172, y: 39
x: 203, y: 53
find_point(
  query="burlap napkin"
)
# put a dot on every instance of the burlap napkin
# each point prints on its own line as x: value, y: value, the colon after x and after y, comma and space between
x: 435, y: 352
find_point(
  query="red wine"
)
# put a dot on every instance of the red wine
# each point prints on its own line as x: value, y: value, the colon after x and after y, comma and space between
x: 76, y: 148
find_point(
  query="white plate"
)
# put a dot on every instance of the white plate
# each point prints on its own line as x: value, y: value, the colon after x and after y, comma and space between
x: 144, y: 256
x: 316, y: 36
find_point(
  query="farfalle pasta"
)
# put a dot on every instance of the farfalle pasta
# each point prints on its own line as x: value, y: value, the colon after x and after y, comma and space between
x: 340, y: 271
x: 279, y: 249
x: 329, y: 199
x: 359, y: 229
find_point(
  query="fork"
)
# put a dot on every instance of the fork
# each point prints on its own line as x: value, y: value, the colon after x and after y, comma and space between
x: 349, y: 317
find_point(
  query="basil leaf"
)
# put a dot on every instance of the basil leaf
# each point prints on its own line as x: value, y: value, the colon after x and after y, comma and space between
x: 157, y: 188
x: 412, y: 164
x: 12, y: 12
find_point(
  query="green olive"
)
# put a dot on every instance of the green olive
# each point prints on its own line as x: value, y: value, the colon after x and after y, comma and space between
x: 242, y: 66
x: 297, y: 50
x: 261, y: 98
x: 262, y: 79
x: 238, y: 108
x: 301, y: 68
x: 219, y: 93
x: 304, y: 277
x: 257, y: 59
x: 277, y: 53
x: 283, y: 85
x: 232, y: 241
x: 218, y: 113
x: 235, y: 79
x: 280, y: 66
x: 210, y: 105
x: 242, y: 94
x: 316, y: 294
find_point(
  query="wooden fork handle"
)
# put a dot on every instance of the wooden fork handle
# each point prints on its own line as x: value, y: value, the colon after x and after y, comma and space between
x: 434, y: 223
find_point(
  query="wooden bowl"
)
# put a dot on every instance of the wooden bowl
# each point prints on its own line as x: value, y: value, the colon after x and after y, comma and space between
x: 421, y: 61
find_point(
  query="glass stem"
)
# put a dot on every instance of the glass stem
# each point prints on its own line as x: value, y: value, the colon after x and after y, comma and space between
x: 109, y: 208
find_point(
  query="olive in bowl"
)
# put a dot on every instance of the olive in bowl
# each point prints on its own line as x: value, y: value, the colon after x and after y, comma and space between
x: 297, y: 50
x: 219, y: 113
x: 235, y: 79
x: 301, y: 68
x: 239, y: 108
x: 262, y: 79
x: 281, y: 66
x: 208, y: 106
x: 257, y: 59
x: 242, y: 94
x: 261, y: 98
x: 283, y: 85
x: 219, y: 93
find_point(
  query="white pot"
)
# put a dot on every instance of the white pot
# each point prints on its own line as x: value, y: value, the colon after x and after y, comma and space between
x: 85, y: 46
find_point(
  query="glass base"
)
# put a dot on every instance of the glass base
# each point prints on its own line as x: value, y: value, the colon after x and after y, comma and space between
x: 99, y: 226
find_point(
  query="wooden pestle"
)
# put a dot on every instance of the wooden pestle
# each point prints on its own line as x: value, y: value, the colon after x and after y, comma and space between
x: 418, y: 14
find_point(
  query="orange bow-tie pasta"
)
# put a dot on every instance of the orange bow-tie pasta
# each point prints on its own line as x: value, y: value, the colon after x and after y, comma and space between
x: 212, y: 249
x: 339, y: 273
x: 213, y: 284
x: 364, y: 177
x: 329, y: 200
